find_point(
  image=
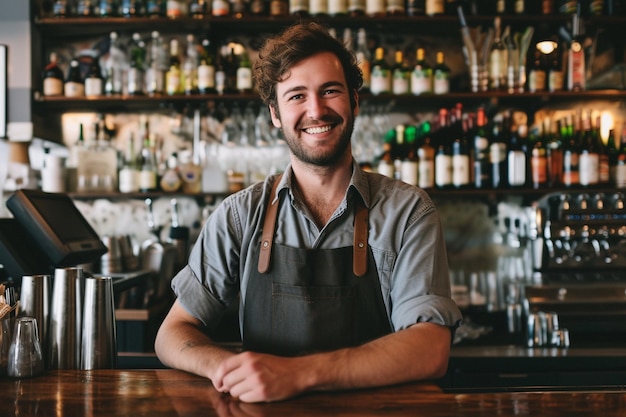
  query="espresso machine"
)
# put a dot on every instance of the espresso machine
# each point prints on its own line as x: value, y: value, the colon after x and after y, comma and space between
x: 578, y: 242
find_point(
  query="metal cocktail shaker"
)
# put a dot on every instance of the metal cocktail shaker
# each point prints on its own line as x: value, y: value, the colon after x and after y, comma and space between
x: 65, y: 322
x: 99, y: 345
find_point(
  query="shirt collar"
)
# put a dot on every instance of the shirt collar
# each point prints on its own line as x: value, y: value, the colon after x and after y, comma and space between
x: 358, y: 183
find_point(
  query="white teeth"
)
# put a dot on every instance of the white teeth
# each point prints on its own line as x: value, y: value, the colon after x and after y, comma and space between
x: 315, y: 130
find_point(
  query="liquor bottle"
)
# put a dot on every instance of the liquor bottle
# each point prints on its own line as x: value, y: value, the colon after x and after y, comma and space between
x: 385, y: 161
x: 498, y: 58
x: 148, y: 172
x: 422, y: 75
x: 259, y: 8
x: 571, y: 153
x: 156, y: 8
x: 620, y: 169
x: 554, y: 152
x: 481, y: 151
x: 74, y: 85
x: 539, y: 165
x: 441, y: 75
x: 537, y: 73
x: 399, y: 151
x: 108, y: 8
x: 443, y: 153
x: 318, y: 8
x: 155, y: 73
x: 356, y: 8
x: 198, y: 9
x: 238, y: 8
x: 128, y: 176
x: 244, y: 74
x: 556, y: 75
x: 337, y: 8
x: 280, y: 8
x: 94, y: 84
x: 460, y: 154
x: 206, y: 70
x: 230, y: 66
x: 174, y: 83
x: 548, y: 7
x: 576, y: 66
x: 85, y: 8
x: 220, y: 8
x: 518, y: 156
x: 132, y: 8
x: 435, y: 7
x: 381, y: 74
x: 612, y: 154
x: 401, y: 75
x: 299, y: 8
x: 137, y: 65
x: 395, y: 8
x: 416, y: 7
x: 114, y: 66
x: 170, y: 180
x: 190, y: 66
x: 426, y: 155
x: 176, y: 9
x: 375, y: 8
x: 589, y: 158
x: 604, y: 164
x: 498, y: 150
x: 52, y: 77
x: 409, y: 166
x: 364, y: 59
x: 61, y: 8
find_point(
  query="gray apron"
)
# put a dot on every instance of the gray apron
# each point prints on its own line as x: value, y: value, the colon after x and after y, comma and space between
x: 312, y: 300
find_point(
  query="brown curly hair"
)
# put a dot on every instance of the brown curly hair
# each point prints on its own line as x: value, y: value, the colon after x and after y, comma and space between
x: 294, y: 44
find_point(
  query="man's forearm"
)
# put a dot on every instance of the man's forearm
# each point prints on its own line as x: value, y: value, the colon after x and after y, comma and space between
x: 417, y: 353
x: 182, y: 345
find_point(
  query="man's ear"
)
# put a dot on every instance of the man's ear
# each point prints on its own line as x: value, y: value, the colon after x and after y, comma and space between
x: 275, y: 119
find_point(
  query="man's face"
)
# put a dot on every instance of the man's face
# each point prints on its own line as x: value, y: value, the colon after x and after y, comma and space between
x: 314, y: 110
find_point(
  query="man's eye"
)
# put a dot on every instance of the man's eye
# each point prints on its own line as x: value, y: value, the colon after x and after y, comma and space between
x: 296, y: 97
x: 328, y: 92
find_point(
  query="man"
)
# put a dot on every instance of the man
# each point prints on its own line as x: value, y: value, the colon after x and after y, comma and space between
x: 342, y: 275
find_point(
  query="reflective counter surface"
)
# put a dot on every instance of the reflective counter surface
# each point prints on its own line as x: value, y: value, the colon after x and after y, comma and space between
x: 166, y: 392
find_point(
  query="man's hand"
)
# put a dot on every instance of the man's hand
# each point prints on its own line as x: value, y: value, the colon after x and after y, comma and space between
x: 256, y: 377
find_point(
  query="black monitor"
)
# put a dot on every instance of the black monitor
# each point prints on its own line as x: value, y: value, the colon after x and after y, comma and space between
x: 57, y: 227
x: 19, y: 255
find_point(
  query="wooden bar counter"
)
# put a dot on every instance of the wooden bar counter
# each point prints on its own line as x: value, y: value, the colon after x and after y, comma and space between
x: 166, y: 392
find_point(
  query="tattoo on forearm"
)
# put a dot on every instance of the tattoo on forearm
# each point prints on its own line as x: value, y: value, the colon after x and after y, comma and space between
x: 188, y: 344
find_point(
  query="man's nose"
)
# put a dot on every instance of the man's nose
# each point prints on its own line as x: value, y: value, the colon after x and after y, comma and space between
x: 316, y: 107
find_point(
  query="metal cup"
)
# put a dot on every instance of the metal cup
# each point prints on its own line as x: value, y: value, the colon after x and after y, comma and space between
x: 99, y: 343
x: 65, y: 324
x: 25, y: 357
x: 35, y: 302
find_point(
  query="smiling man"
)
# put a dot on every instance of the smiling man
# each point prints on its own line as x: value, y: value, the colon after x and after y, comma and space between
x: 341, y: 274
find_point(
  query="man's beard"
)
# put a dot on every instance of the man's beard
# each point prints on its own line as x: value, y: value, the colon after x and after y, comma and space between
x: 328, y: 158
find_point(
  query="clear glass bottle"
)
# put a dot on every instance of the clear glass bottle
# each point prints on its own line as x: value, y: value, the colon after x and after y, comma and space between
x: 401, y: 75
x: 114, y: 66
x: 190, y: 65
x: 174, y: 76
x: 206, y: 70
x: 498, y: 59
x: 137, y: 64
x: 128, y: 176
x: 244, y: 74
x: 94, y: 83
x: 155, y: 73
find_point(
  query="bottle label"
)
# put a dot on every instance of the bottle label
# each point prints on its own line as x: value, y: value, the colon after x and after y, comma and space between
x: 154, y: 81
x: 206, y: 77
x: 73, y: 89
x: 555, y: 80
x: 443, y: 170
x: 52, y: 87
x: 220, y: 8
x: 93, y: 87
x: 374, y: 7
x: 244, y: 79
x: 401, y: 83
x: 380, y: 81
x: 441, y: 83
x: 536, y: 80
x: 298, y: 6
x: 386, y: 169
x: 517, y: 168
x: 426, y: 177
x: 421, y: 82
x: 128, y: 181
x: 620, y: 175
x: 317, y: 7
x: 337, y: 7
x: 539, y: 167
x: 576, y: 68
x: 460, y: 170
x: 409, y: 171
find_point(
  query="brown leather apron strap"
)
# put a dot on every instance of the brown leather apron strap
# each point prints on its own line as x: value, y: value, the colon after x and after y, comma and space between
x: 269, y: 224
x: 360, y: 252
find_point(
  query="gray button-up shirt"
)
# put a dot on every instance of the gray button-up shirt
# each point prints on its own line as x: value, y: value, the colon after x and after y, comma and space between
x: 405, y: 236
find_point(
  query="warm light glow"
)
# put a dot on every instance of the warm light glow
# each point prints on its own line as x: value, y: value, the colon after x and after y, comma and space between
x: 546, y: 47
x: 606, y: 124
